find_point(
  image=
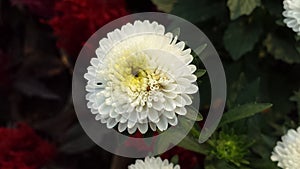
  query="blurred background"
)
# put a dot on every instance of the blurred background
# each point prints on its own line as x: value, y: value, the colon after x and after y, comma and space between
x: 41, y: 39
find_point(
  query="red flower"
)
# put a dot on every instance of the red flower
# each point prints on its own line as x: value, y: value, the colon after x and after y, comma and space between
x: 140, y: 145
x: 76, y: 20
x: 187, y: 159
x: 22, y: 148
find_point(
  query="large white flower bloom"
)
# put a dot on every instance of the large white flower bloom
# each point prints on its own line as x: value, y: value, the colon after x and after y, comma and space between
x: 153, y: 163
x: 287, y: 151
x: 292, y: 14
x: 141, y: 77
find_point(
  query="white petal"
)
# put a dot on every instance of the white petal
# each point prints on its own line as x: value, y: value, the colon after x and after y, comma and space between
x: 162, y: 123
x: 180, y: 45
x: 143, y: 127
x: 180, y: 101
x: 170, y: 95
x: 90, y: 105
x: 123, y: 119
x: 169, y: 87
x: 133, y: 116
x: 183, y: 81
x: 153, y: 115
x: 111, y: 123
x: 113, y: 114
x: 169, y: 104
x: 104, y: 108
x: 89, y: 76
x: 192, y: 78
x: 177, y: 167
x: 173, y: 121
x: 152, y: 126
x: 191, y: 89
x: 95, y: 62
x: 181, y: 110
x: 157, y: 106
x: 142, y: 115
x: 100, y: 53
x: 169, y: 114
x: 98, y: 117
x: 187, y: 99
x: 132, y: 130
x: 104, y: 44
x: 131, y: 124
x: 122, y: 127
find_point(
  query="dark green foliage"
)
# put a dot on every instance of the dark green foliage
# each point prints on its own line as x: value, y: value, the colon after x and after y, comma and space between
x: 261, y: 56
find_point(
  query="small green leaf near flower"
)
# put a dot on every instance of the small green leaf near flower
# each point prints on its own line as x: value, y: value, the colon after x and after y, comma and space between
x: 240, y: 37
x: 243, y: 111
x: 242, y: 7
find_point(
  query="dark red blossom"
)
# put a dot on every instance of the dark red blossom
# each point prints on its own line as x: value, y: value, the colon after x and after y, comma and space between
x: 141, y: 145
x: 22, y: 148
x: 187, y: 159
x: 76, y: 20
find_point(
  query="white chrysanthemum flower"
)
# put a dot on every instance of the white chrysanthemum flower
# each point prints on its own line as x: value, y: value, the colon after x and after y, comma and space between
x: 153, y: 163
x: 292, y: 14
x: 141, y: 77
x: 287, y: 151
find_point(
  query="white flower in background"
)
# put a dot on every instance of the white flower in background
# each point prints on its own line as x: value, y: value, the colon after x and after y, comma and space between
x: 153, y: 163
x: 292, y: 14
x: 287, y: 151
x: 141, y: 77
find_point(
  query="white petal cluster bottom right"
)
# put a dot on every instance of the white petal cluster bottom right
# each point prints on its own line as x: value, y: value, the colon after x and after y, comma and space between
x: 153, y: 163
x: 287, y: 151
x: 292, y: 14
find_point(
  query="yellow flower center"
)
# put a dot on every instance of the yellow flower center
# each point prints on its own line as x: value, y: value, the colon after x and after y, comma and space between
x: 135, y: 75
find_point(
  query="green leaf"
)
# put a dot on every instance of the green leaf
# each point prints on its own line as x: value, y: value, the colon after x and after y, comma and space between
x: 188, y: 120
x: 175, y: 159
x: 196, y: 10
x: 243, y: 111
x: 241, y: 91
x: 164, y: 5
x: 241, y: 37
x: 274, y: 7
x: 189, y: 142
x: 282, y: 48
x: 249, y: 93
x: 192, y: 144
x: 241, y: 7
x: 234, y: 89
x: 165, y: 140
x: 263, y: 163
x: 276, y: 88
x: 200, y: 72
x: 193, y: 114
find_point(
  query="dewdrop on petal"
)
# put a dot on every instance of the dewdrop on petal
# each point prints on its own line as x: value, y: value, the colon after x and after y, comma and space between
x: 141, y: 79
